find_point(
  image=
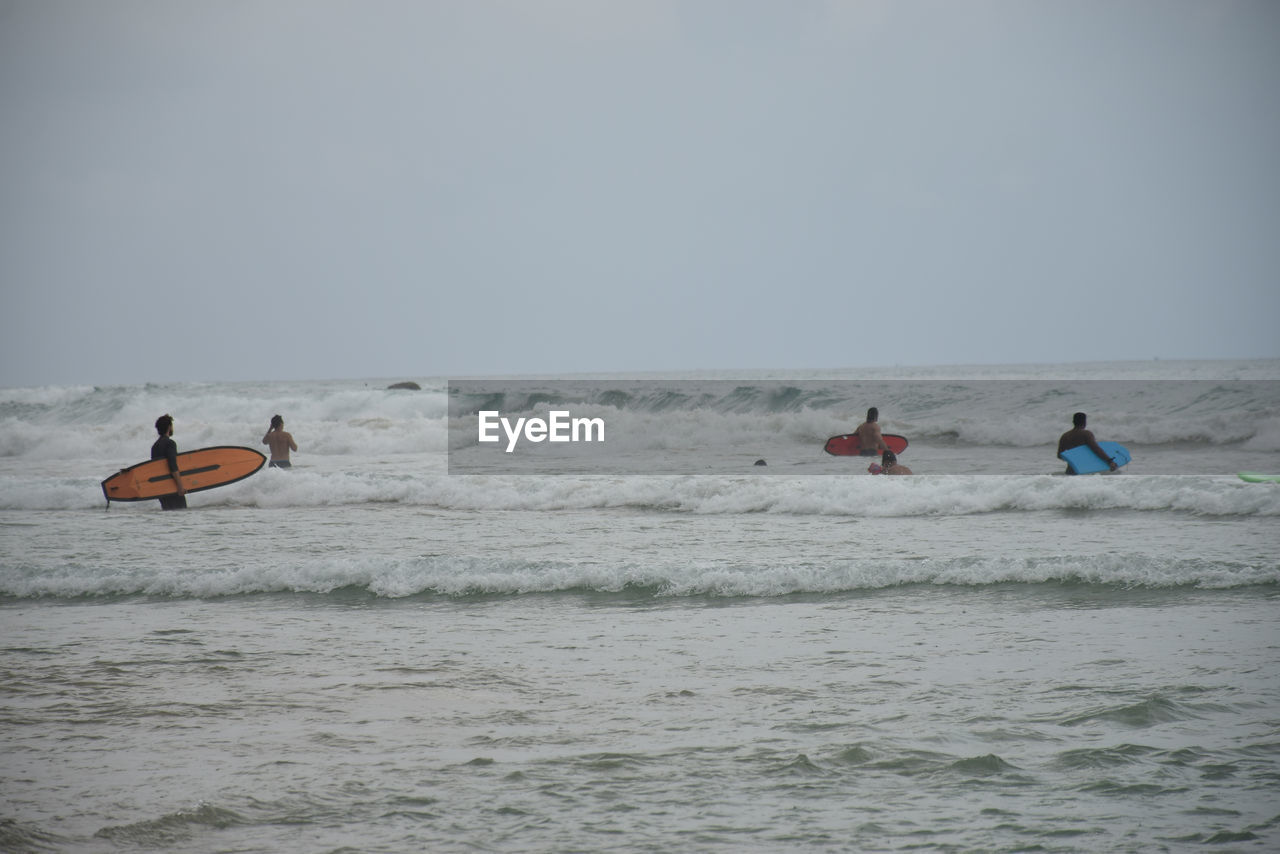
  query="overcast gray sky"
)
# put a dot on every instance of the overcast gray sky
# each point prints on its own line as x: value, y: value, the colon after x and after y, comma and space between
x: 292, y: 189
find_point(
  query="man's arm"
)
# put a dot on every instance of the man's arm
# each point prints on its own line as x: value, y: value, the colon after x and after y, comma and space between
x: 1097, y: 449
x: 171, y: 454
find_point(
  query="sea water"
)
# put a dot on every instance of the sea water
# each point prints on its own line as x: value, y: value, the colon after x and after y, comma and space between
x: 367, y: 653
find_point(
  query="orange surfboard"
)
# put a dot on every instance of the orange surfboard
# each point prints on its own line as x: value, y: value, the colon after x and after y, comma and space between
x: 200, y: 470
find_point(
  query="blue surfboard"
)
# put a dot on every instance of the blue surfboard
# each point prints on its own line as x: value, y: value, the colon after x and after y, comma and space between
x: 1082, y: 460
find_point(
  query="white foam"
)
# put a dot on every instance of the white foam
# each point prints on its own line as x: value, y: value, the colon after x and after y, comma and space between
x: 876, y: 497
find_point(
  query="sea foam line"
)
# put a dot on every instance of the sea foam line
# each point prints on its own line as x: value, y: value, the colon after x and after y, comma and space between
x: 468, y: 576
x: 865, y: 496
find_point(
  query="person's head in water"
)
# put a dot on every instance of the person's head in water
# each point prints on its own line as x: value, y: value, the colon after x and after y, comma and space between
x: 889, y: 458
x: 164, y: 424
x: 277, y: 423
x: 1078, y: 419
x: 873, y: 414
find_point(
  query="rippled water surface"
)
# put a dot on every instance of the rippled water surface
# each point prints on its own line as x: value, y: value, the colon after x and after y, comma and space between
x: 1065, y: 717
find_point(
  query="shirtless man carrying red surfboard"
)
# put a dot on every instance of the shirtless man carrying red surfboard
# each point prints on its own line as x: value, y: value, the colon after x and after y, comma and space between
x: 869, y: 436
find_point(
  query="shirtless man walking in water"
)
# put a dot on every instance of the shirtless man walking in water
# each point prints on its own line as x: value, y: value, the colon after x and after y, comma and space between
x: 281, y: 443
x: 870, y: 440
x: 1077, y: 436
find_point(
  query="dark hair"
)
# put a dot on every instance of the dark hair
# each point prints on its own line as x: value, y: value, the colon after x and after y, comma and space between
x: 873, y: 414
x: 1078, y: 419
x: 889, y: 458
x: 276, y: 422
x: 163, y: 424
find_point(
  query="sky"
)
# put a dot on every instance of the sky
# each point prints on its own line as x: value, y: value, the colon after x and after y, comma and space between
x: 309, y: 189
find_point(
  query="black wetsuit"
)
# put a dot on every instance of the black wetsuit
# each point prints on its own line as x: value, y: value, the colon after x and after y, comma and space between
x: 167, y: 449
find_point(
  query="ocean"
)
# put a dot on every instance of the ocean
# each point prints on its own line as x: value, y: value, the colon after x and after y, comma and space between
x: 369, y: 653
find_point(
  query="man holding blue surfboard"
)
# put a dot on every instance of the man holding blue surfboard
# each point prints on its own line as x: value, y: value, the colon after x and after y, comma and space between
x: 1077, y: 436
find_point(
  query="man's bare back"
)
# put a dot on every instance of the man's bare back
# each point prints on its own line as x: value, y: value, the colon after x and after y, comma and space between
x: 870, y: 440
x: 280, y: 442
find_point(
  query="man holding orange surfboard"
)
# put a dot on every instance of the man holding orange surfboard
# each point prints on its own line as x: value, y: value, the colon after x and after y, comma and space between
x: 167, y: 449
